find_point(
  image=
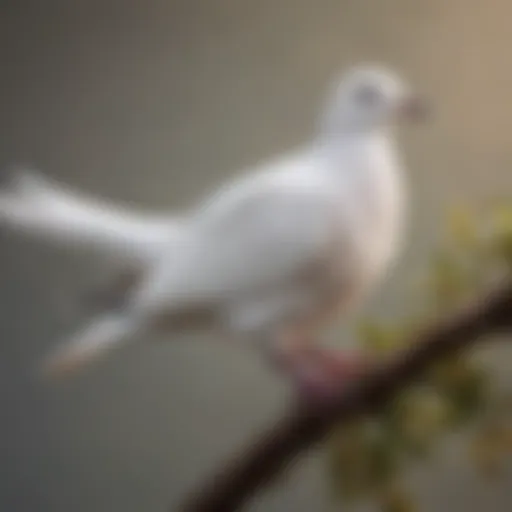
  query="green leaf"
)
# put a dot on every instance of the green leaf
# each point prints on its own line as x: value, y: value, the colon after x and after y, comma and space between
x: 385, y: 462
x: 348, y: 452
x: 396, y: 499
x: 363, y: 458
x: 469, y: 397
x: 462, y: 227
x: 379, y: 337
x: 502, y: 217
x: 502, y: 232
x: 448, y: 282
x: 421, y: 414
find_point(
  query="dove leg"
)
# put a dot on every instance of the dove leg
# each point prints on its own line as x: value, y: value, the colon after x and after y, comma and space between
x: 288, y: 344
x: 318, y: 372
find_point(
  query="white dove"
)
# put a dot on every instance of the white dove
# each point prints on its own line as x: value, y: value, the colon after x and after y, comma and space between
x: 269, y: 258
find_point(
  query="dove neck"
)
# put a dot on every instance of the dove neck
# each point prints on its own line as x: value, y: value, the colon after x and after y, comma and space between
x: 346, y: 142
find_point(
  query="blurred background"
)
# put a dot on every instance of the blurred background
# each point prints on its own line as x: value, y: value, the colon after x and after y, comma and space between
x: 154, y: 102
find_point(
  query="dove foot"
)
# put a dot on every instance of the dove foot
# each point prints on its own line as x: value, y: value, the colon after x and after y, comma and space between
x: 319, y: 374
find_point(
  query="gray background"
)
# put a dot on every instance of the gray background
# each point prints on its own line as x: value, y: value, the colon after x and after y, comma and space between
x: 154, y: 102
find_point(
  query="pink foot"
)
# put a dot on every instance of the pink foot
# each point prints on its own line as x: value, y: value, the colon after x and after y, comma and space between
x: 319, y: 374
x: 314, y: 388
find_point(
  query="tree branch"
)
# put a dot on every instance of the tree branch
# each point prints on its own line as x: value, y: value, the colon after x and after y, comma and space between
x: 306, y: 425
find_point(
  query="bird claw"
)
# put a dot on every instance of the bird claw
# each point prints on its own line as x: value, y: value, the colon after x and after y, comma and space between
x: 317, y: 389
x: 325, y: 373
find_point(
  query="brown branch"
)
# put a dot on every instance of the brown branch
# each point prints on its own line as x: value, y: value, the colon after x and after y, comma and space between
x: 306, y: 425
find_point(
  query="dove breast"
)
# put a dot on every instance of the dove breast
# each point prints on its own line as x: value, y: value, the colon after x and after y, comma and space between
x: 363, y: 234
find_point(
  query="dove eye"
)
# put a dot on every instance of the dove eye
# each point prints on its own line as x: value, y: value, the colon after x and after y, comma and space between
x: 367, y: 95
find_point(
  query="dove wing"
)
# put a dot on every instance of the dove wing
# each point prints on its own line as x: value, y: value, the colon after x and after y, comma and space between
x: 257, y: 236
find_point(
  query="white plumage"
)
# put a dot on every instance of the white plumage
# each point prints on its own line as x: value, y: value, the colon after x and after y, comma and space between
x: 266, y: 257
x: 48, y: 210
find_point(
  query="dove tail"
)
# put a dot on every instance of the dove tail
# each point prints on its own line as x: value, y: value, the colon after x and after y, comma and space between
x: 95, y: 341
x: 36, y: 206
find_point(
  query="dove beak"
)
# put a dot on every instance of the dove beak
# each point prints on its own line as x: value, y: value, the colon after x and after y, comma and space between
x: 413, y: 108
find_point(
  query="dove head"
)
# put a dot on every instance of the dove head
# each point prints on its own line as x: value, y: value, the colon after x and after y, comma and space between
x: 369, y: 98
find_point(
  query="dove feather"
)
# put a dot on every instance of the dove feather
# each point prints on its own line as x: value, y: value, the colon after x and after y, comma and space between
x: 45, y: 209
